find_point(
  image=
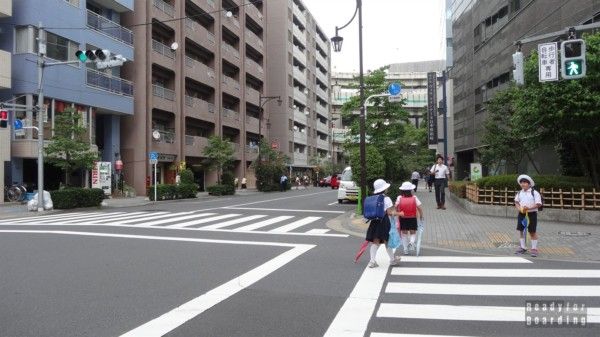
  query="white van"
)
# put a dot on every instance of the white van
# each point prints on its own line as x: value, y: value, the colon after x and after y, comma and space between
x: 348, y: 189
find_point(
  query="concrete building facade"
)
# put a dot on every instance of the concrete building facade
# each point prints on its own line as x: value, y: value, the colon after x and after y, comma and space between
x: 299, y: 62
x: 5, y: 83
x: 483, y: 34
x: 201, y: 69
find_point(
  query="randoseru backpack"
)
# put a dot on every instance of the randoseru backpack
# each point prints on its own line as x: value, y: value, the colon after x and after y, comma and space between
x: 541, y: 208
x: 374, y: 208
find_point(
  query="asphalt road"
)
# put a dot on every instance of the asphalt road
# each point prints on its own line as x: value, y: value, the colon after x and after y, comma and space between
x: 257, y: 265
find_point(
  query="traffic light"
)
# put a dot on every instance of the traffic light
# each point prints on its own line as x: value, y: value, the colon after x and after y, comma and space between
x: 102, y: 57
x: 113, y: 61
x: 3, y: 119
x: 518, y: 74
x: 572, y: 57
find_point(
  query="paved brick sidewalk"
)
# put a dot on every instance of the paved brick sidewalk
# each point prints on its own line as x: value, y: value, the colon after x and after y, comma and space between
x: 455, y: 228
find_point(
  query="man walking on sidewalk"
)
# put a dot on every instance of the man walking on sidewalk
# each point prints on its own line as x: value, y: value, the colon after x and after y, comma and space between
x: 441, y: 174
x: 415, y: 179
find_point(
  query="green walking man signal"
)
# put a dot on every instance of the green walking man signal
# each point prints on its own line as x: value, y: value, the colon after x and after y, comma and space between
x: 572, y: 56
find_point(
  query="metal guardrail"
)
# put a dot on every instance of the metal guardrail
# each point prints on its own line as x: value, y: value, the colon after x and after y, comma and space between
x: 109, y: 28
x: 165, y: 7
x: 110, y: 83
x: 163, y: 50
x: 163, y: 92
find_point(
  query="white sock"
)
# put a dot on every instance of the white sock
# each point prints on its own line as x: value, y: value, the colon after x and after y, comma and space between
x: 522, y: 241
x: 413, y: 238
x: 390, y: 252
x: 533, y: 244
x: 373, y: 251
x: 405, y: 241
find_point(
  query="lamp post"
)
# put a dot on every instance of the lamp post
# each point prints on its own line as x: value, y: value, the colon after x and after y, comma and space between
x: 337, y: 47
x: 262, y: 100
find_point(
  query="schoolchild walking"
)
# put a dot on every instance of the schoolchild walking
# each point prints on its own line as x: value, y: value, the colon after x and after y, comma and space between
x: 409, y: 206
x: 527, y: 202
x: 379, y: 229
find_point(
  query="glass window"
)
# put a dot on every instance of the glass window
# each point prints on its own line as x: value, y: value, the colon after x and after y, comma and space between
x: 23, y: 40
x: 347, y: 174
x: 59, y: 48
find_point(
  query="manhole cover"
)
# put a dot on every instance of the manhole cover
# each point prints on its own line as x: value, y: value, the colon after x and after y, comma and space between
x: 574, y: 233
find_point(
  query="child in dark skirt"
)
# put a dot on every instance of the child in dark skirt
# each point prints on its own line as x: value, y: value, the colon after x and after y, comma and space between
x: 379, y: 229
x: 408, y: 205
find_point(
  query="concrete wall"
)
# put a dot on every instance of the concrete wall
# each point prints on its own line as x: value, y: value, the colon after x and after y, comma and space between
x: 5, y: 70
x: 5, y: 8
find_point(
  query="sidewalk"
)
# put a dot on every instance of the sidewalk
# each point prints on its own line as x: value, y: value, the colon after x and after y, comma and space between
x: 455, y: 228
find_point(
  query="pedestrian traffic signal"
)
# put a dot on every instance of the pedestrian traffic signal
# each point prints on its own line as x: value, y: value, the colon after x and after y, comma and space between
x: 572, y: 56
x: 518, y: 73
x: 3, y: 119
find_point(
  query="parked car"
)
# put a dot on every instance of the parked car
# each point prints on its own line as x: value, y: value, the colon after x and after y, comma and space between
x: 347, y: 189
x: 335, y: 181
x: 325, y: 181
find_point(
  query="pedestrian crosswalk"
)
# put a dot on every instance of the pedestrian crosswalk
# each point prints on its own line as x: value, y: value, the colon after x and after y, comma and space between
x: 468, y: 296
x: 200, y: 221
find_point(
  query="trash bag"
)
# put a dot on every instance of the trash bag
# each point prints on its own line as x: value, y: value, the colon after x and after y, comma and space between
x: 32, y: 205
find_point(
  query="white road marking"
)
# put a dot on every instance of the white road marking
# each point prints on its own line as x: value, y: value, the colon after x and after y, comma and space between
x: 233, y: 222
x: 522, y: 273
x: 318, y: 231
x: 378, y: 334
x: 43, y: 217
x: 284, y: 210
x: 491, y: 289
x: 333, y: 203
x: 354, y: 316
x: 169, y: 220
x: 153, y: 217
x: 92, y: 218
x: 465, y: 259
x: 296, y: 224
x: 463, y: 312
x: 204, y: 220
x: 263, y: 223
x: 127, y: 217
x: 275, y: 199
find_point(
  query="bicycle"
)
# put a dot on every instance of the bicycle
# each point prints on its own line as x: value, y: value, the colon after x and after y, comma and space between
x: 15, y: 193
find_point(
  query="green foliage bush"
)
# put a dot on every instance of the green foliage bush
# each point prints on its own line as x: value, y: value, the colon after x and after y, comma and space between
x: 172, y: 192
x: 74, y: 197
x: 221, y: 189
x: 542, y: 181
x: 458, y: 188
x: 187, y: 177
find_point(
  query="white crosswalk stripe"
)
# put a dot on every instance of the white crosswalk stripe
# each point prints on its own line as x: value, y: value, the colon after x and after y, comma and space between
x: 233, y: 222
x: 151, y: 216
x: 295, y: 224
x: 201, y: 221
x: 172, y: 220
x: 263, y: 223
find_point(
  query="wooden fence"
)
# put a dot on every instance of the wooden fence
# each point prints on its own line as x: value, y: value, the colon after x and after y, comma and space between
x: 559, y: 198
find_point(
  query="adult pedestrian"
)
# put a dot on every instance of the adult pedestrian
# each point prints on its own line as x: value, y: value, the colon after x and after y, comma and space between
x: 415, y: 179
x: 283, y: 182
x: 441, y: 174
x: 244, y: 181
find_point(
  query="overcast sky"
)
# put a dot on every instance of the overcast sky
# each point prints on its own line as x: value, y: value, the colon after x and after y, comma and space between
x: 394, y: 31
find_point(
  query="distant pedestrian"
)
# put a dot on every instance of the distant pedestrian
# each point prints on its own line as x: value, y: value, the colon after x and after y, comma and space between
x: 379, y: 229
x: 430, y: 179
x: 244, y: 181
x: 236, y: 182
x: 408, y: 205
x: 441, y: 174
x: 415, y: 179
x: 283, y: 182
x: 527, y: 202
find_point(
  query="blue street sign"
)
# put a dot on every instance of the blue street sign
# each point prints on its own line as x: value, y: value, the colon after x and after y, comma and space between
x: 153, y: 155
x: 18, y: 124
x: 394, y: 89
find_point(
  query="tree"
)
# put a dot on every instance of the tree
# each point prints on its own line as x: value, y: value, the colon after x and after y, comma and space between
x: 376, y: 164
x: 70, y: 148
x: 269, y: 168
x: 219, y: 154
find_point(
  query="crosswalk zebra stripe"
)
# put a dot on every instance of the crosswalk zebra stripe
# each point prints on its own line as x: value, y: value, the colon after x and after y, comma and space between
x: 263, y: 223
x: 128, y: 217
x: 463, y: 312
x: 466, y: 259
x: 44, y: 217
x: 491, y: 289
x: 186, y: 217
x: 79, y: 217
x: 152, y: 216
x: 473, y: 272
x: 204, y: 220
x: 233, y: 222
x: 318, y: 231
x: 91, y: 219
x: 295, y: 224
x: 380, y: 334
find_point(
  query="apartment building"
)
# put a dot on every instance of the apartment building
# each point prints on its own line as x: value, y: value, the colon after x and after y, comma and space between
x: 200, y: 69
x: 299, y: 62
x: 103, y: 98
x: 5, y: 83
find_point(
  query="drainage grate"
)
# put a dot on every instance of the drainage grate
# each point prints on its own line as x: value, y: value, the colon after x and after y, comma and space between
x: 574, y: 233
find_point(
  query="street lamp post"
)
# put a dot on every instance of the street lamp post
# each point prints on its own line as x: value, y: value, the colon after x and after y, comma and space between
x: 337, y: 47
x: 262, y: 100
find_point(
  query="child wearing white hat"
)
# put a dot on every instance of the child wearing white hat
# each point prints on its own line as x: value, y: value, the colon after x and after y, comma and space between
x: 409, y: 205
x: 527, y: 202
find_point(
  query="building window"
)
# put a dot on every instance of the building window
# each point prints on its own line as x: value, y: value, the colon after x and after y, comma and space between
x: 59, y: 48
x: 515, y: 5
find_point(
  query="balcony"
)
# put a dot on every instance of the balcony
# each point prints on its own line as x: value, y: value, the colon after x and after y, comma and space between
x: 200, y: 72
x: 195, y: 145
x: 164, y: 98
x: 163, y: 55
x: 199, y: 109
x: 322, y: 93
x: 300, y: 158
x: 300, y: 96
x: 322, y: 77
x: 299, y: 75
x: 252, y: 124
x: 322, y: 60
x: 231, y: 86
x: 251, y: 153
x: 254, y: 69
x: 322, y: 144
x: 299, y: 15
x: 200, y: 34
x: 322, y: 127
x: 110, y: 28
x: 164, y: 12
x: 300, y: 35
x: 255, y: 14
x: 113, y: 84
x: 255, y: 41
x: 300, y: 117
x: 322, y: 110
x: 231, y: 118
x: 230, y: 54
x: 208, y: 6
x: 166, y: 143
x: 232, y: 23
x: 300, y: 55
x: 300, y: 137
x: 236, y: 150
x: 252, y: 96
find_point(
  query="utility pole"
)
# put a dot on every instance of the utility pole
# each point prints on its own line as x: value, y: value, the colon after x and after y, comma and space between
x: 40, y: 65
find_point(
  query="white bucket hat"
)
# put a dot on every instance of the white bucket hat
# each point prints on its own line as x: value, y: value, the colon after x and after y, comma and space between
x: 526, y: 177
x: 380, y: 185
x: 407, y: 186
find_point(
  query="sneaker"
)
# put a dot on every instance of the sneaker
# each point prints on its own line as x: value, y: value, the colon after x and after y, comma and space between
x: 373, y: 264
x: 406, y: 252
x: 395, y: 261
x: 534, y: 252
x: 411, y: 246
x: 521, y: 250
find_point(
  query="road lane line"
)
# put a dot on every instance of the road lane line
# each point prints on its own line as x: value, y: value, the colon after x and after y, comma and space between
x: 201, y: 221
x: 318, y: 231
x: 522, y: 273
x: 285, y: 210
x: 233, y: 222
x: 169, y: 220
x: 153, y: 217
x: 263, y: 223
x: 296, y: 224
x: 491, y: 289
x: 276, y: 199
x: 466, y: 259
x: 333, y: 203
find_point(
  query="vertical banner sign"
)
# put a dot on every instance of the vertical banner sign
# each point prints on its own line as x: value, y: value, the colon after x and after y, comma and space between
x: 432, y: 132
x: 476, y: 172
x: 548, y: 59
x: 101, y: 176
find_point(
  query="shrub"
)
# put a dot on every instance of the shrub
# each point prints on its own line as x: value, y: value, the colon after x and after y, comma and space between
x: 186, y: 177
x: 458, y: 188
x: 221, y: 189
x: 171, y: 192
x: 74, y: 197
x: 542, y: 181
x: 227, y: 178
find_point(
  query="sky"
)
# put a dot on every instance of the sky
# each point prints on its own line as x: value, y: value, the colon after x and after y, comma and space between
x: 394, y: 31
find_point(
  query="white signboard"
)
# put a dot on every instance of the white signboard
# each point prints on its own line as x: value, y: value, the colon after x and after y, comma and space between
x: 101, y: 176
x: 476, y: 171
x: 548, y: 61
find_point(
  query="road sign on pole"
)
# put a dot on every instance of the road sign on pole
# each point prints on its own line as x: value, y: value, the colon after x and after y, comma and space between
x: 153, y: 158
x: 548, y: 61
x: 395, y: 89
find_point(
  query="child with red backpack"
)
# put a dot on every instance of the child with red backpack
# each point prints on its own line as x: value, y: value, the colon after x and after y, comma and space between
x: 408, y: 205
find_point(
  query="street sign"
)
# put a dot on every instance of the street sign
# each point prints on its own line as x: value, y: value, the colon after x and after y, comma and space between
x: 18, y: 124
x: 153, y: 158
x: 548, y: 61
x: 394, y: 89
x: 432, y: 108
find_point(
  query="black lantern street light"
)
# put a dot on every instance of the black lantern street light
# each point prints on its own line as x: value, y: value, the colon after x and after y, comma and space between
x: 262, y: 101
x: 337, y: 47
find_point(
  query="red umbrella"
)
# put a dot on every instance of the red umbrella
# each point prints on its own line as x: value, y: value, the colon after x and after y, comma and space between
x: 361, y: 250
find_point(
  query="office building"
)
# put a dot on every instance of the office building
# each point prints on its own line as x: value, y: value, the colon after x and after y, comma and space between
x: 5, y: 83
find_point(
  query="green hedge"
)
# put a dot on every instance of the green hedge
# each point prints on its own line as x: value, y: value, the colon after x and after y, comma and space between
x: 458, y: 188
x: 223, y: 189
x: 172, y: 192
x: 74, y: 197
x: 541, y: 181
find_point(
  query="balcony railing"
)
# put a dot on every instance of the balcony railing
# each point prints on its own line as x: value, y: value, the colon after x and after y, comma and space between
x: 163, y: 92
x: 165, y: 7
x: 253, y: 38
x: 196, y: 27
x: 230, y: 49
x: 228, y: 113
x: 299, y: 15
x: 253, y: 64
x: 299, y: 34
x: 194, y: 102
x: 163, y: 49
x: 233, y: 19
x: 109, y: 28
x: 191, y: 63
x: 110, y: 83
x: 300, y: 55
x: 231, y: 83
x: 166, y: 136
